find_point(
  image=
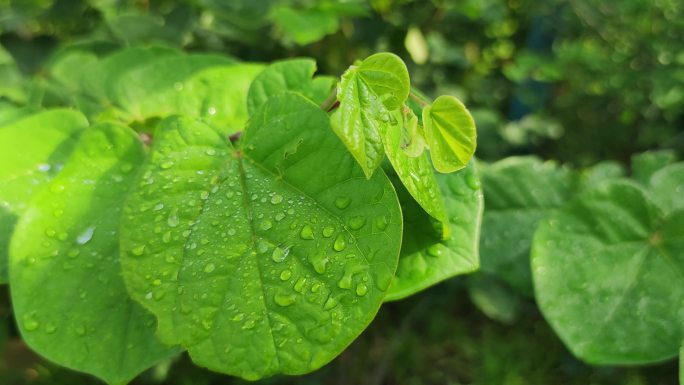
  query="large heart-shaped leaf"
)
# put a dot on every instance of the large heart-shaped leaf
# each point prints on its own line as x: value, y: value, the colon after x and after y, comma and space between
x: 261, y: 260
x: 608, y: 271
x: 368, y: 93
x: 289, y: 75
x: 25, y: 169
x: 68, y: 297
x: 450, y: 133
x: 519, y: 192
x: 426, y: 258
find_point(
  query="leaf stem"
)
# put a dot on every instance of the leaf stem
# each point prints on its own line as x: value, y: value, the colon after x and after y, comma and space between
x: 418, y: 99
x: 331, y: 102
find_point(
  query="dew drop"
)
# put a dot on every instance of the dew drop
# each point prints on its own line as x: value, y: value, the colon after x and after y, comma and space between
x: 381, y: 222
x: 85, y: 236
x: 299, y: 285
x: 306, y: 233
x: 285, y: 275
x: 357, y: 222
x: 435, y: 250
x: 210, y: 152
x: 279, y: 254
x: 138, y: 250
x: 166, y: 165
x: 158, y: 206
x: 166, y: 238
x: 284, y: 299
x: 50, y: 328
x: 342, y: 202
x: 157, y: 282
x: 472, y: 181
x: 265, y: 224
x: 81, y: 330
x: 318, y: 261
x: 30, y: 324
x: 361, y: 289
x: 328, y: 231
x: 276, y: 199
x: 249, y: 324
x: 330, y: 303
x: 339, y: 243
x: 50, y: 233
x: 279, y: 217
x: 58, y: 213
x: 173, y: 220
x: 209, y: 268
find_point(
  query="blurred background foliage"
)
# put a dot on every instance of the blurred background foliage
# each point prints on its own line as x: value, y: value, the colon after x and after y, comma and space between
x: 578, y: 81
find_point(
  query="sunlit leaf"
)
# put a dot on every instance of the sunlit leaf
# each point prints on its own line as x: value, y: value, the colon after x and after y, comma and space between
x: 450, y: 133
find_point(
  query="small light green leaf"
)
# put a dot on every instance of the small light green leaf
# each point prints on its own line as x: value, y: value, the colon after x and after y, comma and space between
x: 600, y: 173
x: 368, y: 93
x: 667, y: 187
x: 450, y: 133
x: 644, y: 165
x: 607, y: 270
x: 519, y: 192
x: 289, y: 75
x: 415, y: 173
x: 263, y: 260
x: 26, y: 169
x: 426, y: 258
x: 67, y: 293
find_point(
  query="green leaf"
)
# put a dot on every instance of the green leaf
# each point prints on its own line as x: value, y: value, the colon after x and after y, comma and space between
x: 450, y: 133
x: 519, y: 192
x: 304, y: 26
x: 494, y: 298
x: 607, y: 270
x: 644, y: 165
x: 415, y: 173
x: 25, y: 169
x: 426, y: 258
x: 368, y: 93
x: 601, y: 172
x: 667, y: 187
x: 68, y: 297
x: 681, y: 365
x: 263, y: 260
x: 289, y: 75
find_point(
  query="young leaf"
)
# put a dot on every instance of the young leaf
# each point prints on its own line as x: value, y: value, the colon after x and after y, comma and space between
x: 68, y: 296
x: 368, y: 93
x: 266, y: 259
x: 519, y: 192
x: 415, y: 173
x: 289, y: 75
x: 426, y: 258
x: 450, y: 133
x: 25, y: 169
x: 607, y: 269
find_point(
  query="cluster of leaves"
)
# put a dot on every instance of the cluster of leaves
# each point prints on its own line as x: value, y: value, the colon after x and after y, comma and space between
x: 194, y: 202
x: 606, y: 253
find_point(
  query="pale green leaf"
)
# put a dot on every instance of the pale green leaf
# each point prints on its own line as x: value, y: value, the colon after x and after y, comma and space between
x: 607, y: 270
x: 67, y: 293
x: 24, y: 169
x: 415, y: 173
x: 426, y: 258
x: 263, y: 260
x: 519, y: 192
x: 368, y: 93
x: 450, y: 133
x: 289, y: 75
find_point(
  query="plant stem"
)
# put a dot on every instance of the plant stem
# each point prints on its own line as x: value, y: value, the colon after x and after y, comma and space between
x: 418, y: 99
x: 330, y: 102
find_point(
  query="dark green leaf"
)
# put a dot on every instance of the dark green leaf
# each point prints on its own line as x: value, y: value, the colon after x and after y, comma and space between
x: 667, y: 187
x: 644, y: 165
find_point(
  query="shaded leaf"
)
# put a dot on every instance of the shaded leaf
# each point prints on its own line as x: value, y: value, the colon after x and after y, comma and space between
x: 607, y: 270
x: 67, y: 293
x: 644, y: 165
x: 519, y: 192
x: 667, y: 187
x: 426, y: 258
